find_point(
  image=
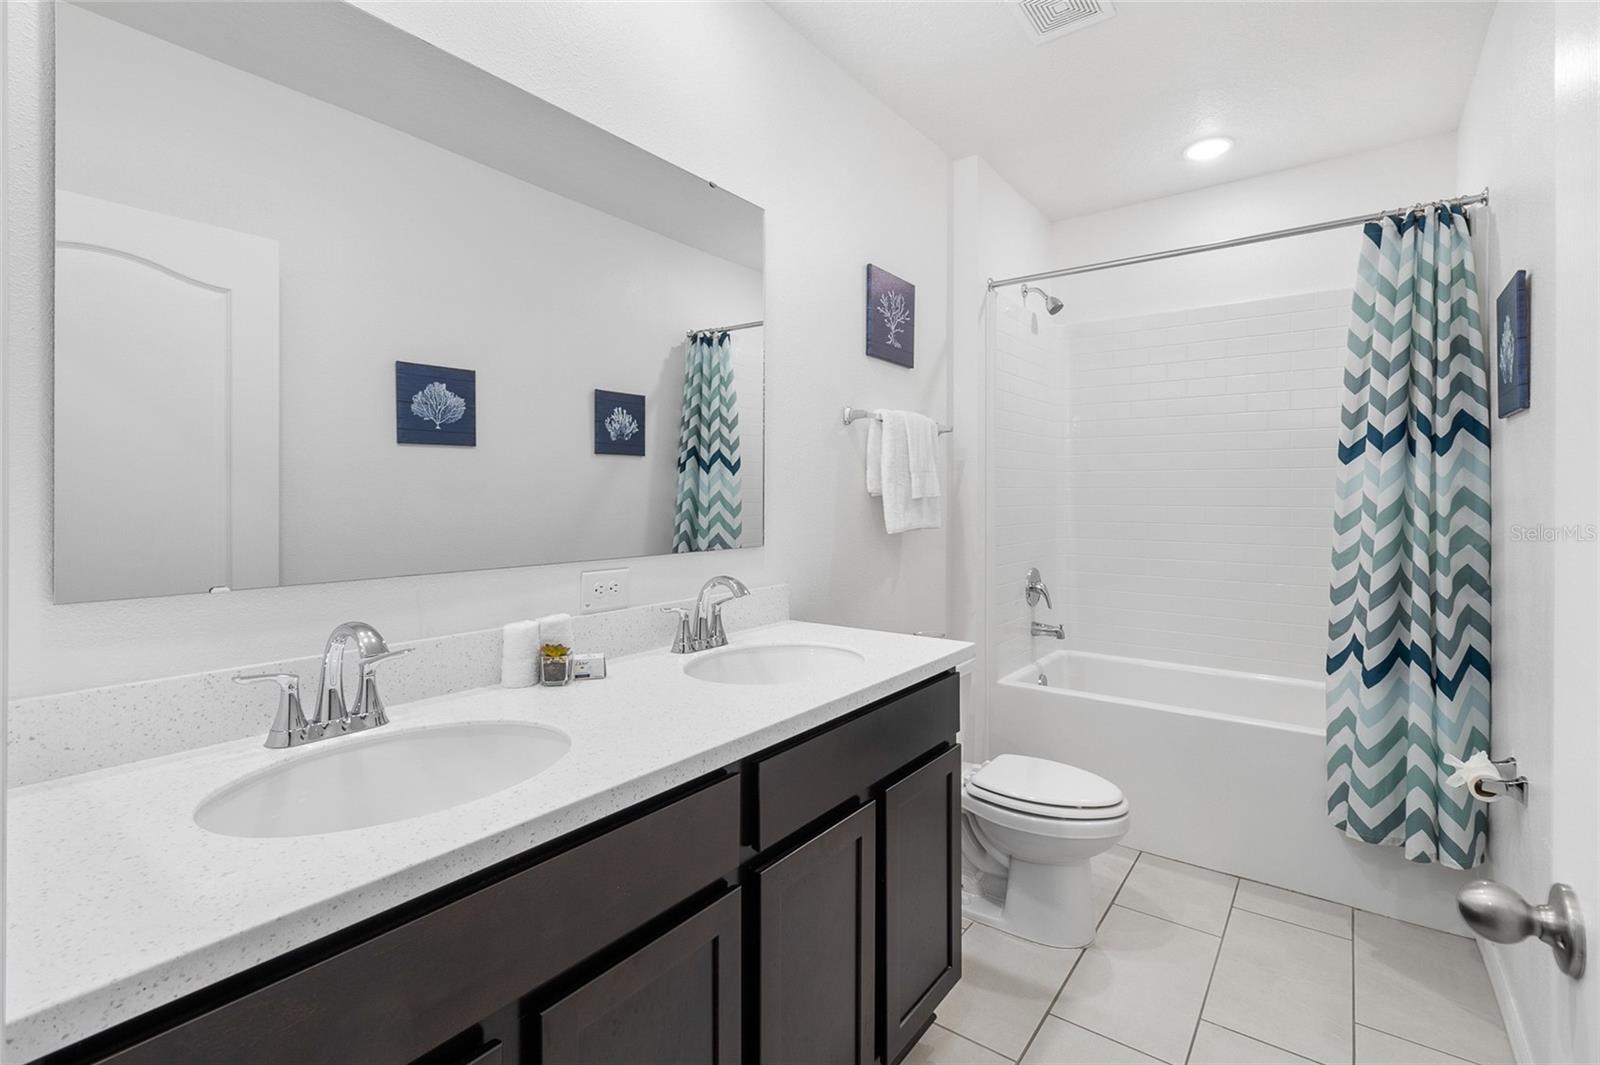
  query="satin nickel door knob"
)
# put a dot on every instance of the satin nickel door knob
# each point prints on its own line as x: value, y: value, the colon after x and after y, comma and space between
x: 1497, y: 913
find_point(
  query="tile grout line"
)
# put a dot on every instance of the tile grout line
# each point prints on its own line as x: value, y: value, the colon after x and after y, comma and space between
x: 1190, y: 927
x: 1199, y: 1017
x: 1413, y: 1042
x: 1296, y: 924
x: 974, y: 1042
x: 1049, y: 1010
x: 1257, y: 1039
x: 967, y: 1039
x: 1107, y: 1038
x: 1353, y: 1023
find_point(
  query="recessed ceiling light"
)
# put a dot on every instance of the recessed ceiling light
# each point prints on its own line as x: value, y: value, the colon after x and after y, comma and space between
x: 1205, y: 150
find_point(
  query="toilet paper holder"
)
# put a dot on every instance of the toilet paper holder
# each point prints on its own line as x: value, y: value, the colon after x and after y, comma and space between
x: 1510, y: 783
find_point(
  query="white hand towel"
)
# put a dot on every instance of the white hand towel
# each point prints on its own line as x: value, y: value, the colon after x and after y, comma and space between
x: 556, y: 628
x: 922, y: 438
x: 519, y: 654
x: 903, y: 510
x: 875, y: 454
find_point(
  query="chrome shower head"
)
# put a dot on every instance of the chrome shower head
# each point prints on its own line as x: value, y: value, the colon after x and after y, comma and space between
x: 1051, y: 304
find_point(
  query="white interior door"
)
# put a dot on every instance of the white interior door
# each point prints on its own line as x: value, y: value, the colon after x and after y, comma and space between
x: 1574, y: 790
x: 166, y: 404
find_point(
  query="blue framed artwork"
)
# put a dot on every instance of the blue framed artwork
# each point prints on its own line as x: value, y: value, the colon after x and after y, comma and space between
x: 618, y: 423
x: 435, y: 405
x: 891, y: 317
x: 1511, y: 341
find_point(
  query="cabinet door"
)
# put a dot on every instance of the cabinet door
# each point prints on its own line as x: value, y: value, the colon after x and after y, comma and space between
x: 818, y: 947
x: 921, y: 897
x: 675, y: 1001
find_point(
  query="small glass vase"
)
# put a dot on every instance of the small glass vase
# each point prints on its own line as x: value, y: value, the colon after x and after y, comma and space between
x: 555, y: 672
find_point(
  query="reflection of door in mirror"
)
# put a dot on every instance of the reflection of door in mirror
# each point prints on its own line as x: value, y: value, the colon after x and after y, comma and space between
x: 166, y: 404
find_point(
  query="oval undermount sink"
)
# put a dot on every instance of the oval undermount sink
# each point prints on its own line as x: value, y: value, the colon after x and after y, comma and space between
x: 381, y: 777
x: 773, y: 663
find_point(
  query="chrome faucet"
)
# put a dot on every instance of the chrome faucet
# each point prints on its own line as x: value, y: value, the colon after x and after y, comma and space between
x: 1036, y: 590
x: 703, y: 630
x: 333, y: 715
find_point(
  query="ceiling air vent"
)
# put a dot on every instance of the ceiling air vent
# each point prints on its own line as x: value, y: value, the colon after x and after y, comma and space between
x: 1049, y: 19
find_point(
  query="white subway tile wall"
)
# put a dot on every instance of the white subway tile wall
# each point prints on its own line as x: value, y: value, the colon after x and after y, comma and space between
x: 1196, y: 453
x: 1029, y: 451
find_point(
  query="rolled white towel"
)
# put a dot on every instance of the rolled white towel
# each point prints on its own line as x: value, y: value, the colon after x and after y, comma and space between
x: 556, y: 628
x: 519, y: 654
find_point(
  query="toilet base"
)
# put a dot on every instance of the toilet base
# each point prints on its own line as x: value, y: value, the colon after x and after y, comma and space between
x: 1048, y: 904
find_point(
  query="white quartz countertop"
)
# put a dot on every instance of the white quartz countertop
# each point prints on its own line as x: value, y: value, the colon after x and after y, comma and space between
x: 118, y: 902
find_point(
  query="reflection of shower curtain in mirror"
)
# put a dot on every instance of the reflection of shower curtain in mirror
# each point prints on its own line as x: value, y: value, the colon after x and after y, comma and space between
x: 709, y: 504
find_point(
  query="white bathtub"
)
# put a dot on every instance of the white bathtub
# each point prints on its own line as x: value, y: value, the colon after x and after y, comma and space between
x: 1221, y: 769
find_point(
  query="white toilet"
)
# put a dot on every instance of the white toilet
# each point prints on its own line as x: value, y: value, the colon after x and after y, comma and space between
x: 1029, y: 828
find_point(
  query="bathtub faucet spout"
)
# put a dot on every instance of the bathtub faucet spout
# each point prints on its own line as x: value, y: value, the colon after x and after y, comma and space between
x: 1039, y: 628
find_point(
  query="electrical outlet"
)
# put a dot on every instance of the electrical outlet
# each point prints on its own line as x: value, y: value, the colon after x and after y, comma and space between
x: 602, y: 589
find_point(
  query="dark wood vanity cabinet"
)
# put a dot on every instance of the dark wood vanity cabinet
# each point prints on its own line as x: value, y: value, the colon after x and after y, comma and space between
x: 799, y: 907
x: 921, y: 883
x: 676, y: 1000
x: 817, y: 914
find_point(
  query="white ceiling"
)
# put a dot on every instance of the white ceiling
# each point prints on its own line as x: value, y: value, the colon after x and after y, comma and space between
x: 1100, y: 117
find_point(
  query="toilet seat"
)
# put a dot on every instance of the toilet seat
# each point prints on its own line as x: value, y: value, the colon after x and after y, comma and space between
x: 1085, y: 828
x: 1042, y: 789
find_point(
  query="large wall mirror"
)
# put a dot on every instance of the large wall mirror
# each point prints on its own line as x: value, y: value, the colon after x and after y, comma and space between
x: 332, y: 304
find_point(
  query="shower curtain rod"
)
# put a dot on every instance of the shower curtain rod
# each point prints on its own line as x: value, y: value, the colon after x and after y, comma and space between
x: 723, y: 329
x: 1238, y: 242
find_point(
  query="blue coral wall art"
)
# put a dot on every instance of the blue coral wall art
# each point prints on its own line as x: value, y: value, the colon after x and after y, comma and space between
x: 618, y: 423
x: 891, y: 317
x: 1511, y: 342
x: 435, y: 405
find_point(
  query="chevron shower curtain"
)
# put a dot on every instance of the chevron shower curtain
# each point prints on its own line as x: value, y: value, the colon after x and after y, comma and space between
x: 708, y: 515
x: 1408, y: 630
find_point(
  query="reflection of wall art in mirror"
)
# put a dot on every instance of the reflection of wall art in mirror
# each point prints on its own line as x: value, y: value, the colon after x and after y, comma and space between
x: 618, y: 423
x: 891, y: 317
x: 249, y: 285
x: 1511, y: 340
x: 435, y: 405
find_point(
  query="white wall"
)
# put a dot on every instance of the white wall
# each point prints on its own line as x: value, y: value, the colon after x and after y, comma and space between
x: 1337, y: 188
x: 994, y: 233
x: 1194, y: 509
x: 394, y: 249
x: 844, y: 182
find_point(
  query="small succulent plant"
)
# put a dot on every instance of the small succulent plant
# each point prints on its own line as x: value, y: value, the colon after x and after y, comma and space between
x: 554, y: 650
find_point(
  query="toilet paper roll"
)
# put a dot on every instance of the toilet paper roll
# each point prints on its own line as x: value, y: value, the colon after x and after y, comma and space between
x: 519, y: 654
x: 1471, y: 774
x: 556, y: 628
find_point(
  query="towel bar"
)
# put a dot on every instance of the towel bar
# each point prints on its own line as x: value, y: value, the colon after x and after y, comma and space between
x: 855, y: 414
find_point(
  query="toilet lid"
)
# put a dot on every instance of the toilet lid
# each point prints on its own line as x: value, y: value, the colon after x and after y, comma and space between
x: 1039, y: 785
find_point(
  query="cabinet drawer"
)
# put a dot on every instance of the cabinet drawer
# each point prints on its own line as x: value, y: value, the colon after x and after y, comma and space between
x: 418, y: 984
x: 801, y: 783
x: 674, y: 1001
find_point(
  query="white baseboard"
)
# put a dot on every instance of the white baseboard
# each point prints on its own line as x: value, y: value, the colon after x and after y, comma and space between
x: 1515, y: 1030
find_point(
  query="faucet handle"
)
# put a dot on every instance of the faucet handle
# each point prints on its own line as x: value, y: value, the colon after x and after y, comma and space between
x: 717, y: 636
x: 370, y: 662
x: 683, y: 643
x: 289, y: 723
x: 369, y: 704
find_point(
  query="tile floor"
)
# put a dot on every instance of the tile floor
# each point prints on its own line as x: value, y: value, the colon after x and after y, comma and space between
x: 1194, y: 966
